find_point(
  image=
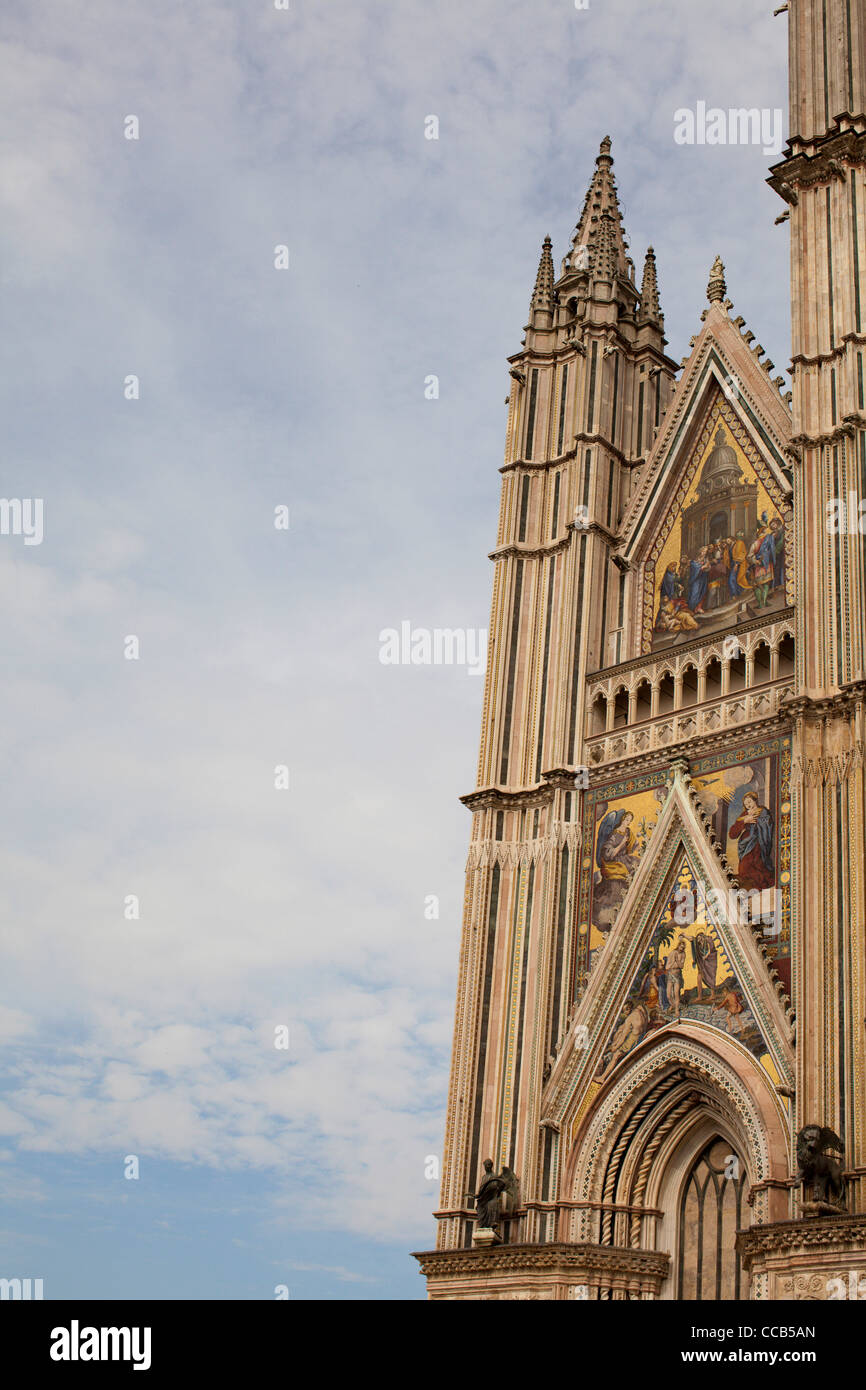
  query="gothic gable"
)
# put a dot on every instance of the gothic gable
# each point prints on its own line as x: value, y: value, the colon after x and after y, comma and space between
x: 715, y: 487
x: 735, y: 788
x: 718, y: 556
x: 685, y: 974
x: 678, y: 852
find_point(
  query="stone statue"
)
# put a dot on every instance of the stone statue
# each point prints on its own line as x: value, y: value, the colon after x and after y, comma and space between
x: 819, y: 1172
x: 488, y: 1194
x: 510, y: 1199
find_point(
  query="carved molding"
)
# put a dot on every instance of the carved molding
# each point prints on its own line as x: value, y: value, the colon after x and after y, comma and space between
x: 512, y: 1259
x: 782, y: 1237
x: 831, y: 770
x: 818, y: 162
x: 529, y: 552
x: 484, y: 853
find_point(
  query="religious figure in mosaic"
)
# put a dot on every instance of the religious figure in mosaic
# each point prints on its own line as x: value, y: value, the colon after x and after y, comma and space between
x: 754, y: 831
x: 675, y: 962
x: 704, y: 958
x: 615, y: 865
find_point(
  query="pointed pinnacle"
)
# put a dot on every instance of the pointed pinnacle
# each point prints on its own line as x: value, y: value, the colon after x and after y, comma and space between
x: 601, y: 199
x: 542, y: 295
x: 649, y: 291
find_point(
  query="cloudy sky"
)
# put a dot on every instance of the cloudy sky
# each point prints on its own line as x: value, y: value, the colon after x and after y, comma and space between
x: 257, y: 647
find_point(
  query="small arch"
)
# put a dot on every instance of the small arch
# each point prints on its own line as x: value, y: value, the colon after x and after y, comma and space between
x: 736, y: 674
x: 689, y: 694
x: 597, y: 715
x: 643, y: 700
x: 713, y: 679
x: 762, y: 662
x: 666, y: 694
x: 786, y: 657
x: 620, y: 708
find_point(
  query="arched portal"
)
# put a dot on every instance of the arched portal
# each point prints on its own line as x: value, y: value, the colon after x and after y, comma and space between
x: 687, y: 1145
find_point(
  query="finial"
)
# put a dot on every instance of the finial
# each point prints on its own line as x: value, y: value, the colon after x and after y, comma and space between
x: 542, y: 295
x: 717, y: 289
x: 604, y: 148
x: 649, y: 290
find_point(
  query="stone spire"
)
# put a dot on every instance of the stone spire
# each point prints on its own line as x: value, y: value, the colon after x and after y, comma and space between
x: 542, y: 295
x: 717, y: 289
x: 649, y: 291
x: 600, y: 228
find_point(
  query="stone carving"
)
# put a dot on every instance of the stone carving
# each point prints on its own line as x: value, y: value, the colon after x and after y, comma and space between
x: 509, y: 1200
x: 497, y: 1200
x: 487, y: 1197
x: 808, y: 1288
x: 819, y: 1172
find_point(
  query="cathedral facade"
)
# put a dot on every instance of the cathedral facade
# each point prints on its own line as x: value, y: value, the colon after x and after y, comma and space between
x: 661, y: 1016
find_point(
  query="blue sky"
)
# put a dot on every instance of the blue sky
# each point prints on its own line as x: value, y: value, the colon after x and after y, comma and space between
x: 258, y: 647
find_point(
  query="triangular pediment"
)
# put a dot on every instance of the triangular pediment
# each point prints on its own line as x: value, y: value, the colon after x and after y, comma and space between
x: 708, y: 533
x: 723, y: 365
x: 743, y: 1004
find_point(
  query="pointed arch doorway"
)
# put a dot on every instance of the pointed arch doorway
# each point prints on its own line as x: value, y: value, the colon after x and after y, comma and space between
x: 686, y: 1145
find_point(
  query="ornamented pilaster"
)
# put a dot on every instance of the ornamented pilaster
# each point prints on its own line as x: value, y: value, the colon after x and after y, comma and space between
x: 823, y: 180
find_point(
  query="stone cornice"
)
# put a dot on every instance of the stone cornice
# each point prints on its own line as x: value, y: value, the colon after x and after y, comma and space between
x: 597, y: 529
x: 538, y: 465
x: 635, y: 351
x: 598, y: 439
x: 847, y: 430
x: 828, y: 160
x: 841, y: 702
x: 517, y: 550
x: 529, y: 552
x: 560, y: 777
x: 834, y: 354
x: 503, y: 1259
x: 656, y: 759
x: 501, y: 799
x: 698, y: 746
x: 833, y: 1232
